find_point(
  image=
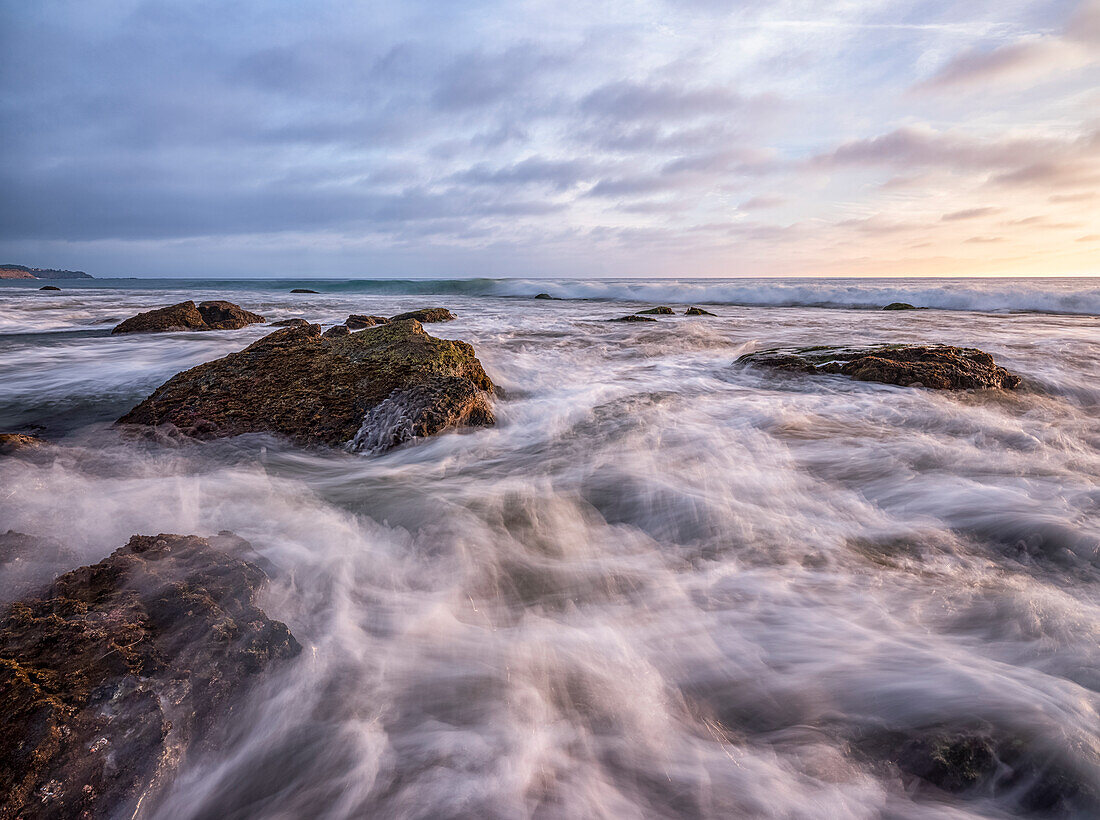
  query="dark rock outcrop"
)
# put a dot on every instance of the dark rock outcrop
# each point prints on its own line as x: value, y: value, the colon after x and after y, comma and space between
x: 214, y: 315
x: 358, y: 321
x: 634, y: 317
x: 987, y: 762
x: 336, y: 332
x: 12, y: 443
x: 657, y: 311
x: 694, y: 311
x: 317, y: 389
x: 426, y: 315
x: 49, y: 287
x: 900, y: 306
x: 544, y: 296
x: 940, y: 367
x: 290, y: 323
x: 27, y: 562
x: 303, y: 290
x: 110, y: 673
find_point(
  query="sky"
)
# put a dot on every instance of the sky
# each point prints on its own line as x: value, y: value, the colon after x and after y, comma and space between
x: 551, y: 137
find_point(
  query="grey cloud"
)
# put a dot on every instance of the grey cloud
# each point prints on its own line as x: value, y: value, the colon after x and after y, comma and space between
x: 969, y: 213
x: 759, y: 203
x: 626, y: 101
x: 558, y: 174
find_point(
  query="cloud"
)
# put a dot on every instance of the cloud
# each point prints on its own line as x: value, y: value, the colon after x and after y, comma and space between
x: 1016, y: 63
x: 762, y: 202
x: 969, y: 213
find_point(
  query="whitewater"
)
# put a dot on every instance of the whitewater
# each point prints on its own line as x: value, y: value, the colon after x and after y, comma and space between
x: 663, y: 585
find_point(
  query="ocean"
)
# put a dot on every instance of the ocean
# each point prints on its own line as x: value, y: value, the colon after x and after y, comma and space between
x: 663, y: 585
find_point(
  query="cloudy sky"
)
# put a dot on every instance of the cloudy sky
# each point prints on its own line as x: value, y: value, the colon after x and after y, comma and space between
x: 551, y: 137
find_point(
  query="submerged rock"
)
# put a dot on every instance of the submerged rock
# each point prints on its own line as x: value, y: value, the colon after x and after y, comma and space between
x: 544, y: 296
x: 319, y: 389
x: 49, y: 287
x: 940, y: 367
x: 27, y: 562
x: 426, y: 315
x: 303, y: 290
x: 656, y: 311
x: 12, y: 443
x: 115, y: 669
x: 357, y: 321
x: 900, y: 306
x: 213, y: 315
x: 694, y: 311
x: 633, y: 317
x: 988, y: 762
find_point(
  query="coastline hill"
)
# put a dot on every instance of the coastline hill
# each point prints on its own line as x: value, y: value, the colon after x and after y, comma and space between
x: 23, y: 272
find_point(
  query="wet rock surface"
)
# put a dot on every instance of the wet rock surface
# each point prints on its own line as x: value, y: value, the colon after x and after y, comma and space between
x: 358, y: 321
x: 318, y: 389
x: 982, y: 761
x: 940, y: 367
x: 302, y: 290
x: 27, y: 562
x: 657, y: 311
x: 695, y: 311
x: 901, y: 306
x: 633, y: 317
x: 290, y: 323
x: 426, y: 315
x: 49, y: 287
x: 15, y: 443
x: 115, y: 669
x: 213, y: 315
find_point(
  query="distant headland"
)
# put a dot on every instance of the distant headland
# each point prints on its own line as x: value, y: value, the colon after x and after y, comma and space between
x: 23, y: 272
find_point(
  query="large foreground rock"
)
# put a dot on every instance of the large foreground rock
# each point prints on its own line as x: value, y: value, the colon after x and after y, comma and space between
x: 936, y: 366
x: 380, y: 386
x: 214, y: 315
x: 109, y: 674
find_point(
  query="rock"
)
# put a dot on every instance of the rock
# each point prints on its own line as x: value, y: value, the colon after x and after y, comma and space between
x: 634, y: 317
x: 303, y: 290
x: 426, y: 315
x: 221, y: 315
x: 358, y: 321
x: 12, y: 443
x: 988, y: 762
x: 940, y: 367
x: 27, y: 562
x: 215, y: 315
x: 657, y: 311
x: 49, y: 287
x: 290, y: 323
x: 543, y: 296
x: 900, y: 306
x: 336, y: 331
x: 694, y: 311
x: 110, y: 674
x: 317, y: 389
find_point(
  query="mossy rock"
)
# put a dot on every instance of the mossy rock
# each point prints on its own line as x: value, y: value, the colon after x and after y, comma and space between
x: 695, y: 311
x: 633, y: 317
x: 900, y: 306
x: 656, y: 311
x: 113, y: 671
x: 426, y: 315
x: 321, y: 388
x: 940, y: 367
x: 212, y: 315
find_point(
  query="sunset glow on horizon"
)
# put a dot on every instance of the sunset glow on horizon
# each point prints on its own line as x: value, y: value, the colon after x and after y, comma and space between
x: 684, y: 138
